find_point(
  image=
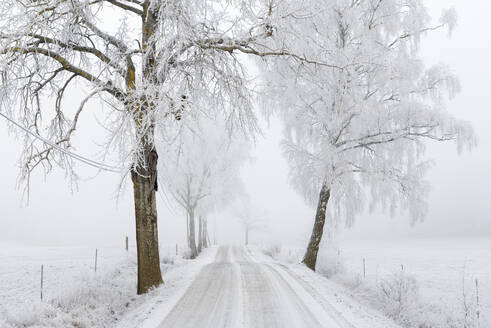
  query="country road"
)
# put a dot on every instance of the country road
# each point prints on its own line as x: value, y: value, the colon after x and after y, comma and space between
x: 238, y: 290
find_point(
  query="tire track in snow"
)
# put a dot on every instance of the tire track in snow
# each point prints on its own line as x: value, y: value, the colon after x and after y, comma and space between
x: 272, y: 302
x: 333, y: 313
x: 211, y: 299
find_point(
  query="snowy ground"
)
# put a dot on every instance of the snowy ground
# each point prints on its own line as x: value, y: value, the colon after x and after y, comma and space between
x: 225, y: 287
x: 413, y: 282
x: 74, y: 295
x: 430, y: 277
x: 444, y: 271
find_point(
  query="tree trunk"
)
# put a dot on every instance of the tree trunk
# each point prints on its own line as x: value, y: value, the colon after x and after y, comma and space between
x: 144, y: 175
x: 246, y: 236
x: 205, y: 233
x: 310, y: 258
x: 200, y: 234
x: 147, y: 240
x: 192, y: 236
x: 187, y: 231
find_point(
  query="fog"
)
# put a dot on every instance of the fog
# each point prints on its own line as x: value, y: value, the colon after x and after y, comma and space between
x: 99, y: 213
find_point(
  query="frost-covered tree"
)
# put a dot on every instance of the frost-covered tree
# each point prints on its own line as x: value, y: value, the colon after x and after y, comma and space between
x: 203, y: 237
x: 249, y: 216
x: 202, y: 170
x: 153, y: 63
x: 355, y: 133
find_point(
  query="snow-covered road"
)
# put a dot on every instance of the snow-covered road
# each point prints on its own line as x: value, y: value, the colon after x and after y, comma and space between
x: 242, y: 289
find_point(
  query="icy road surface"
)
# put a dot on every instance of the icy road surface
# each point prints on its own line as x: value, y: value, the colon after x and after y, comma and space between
x: 242, y: 288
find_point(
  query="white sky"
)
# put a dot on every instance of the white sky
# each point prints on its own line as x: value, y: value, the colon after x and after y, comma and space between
x: 459, y: 202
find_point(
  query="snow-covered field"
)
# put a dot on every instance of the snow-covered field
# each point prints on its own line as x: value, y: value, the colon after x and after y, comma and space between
x: 444, y: 271
x: 74, y: 295
x: 415, y: 281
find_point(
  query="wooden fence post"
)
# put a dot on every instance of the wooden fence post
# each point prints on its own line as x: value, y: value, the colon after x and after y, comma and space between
x: 95, y: 263
x: 364, y: 269
x: 126, y: 243
x: 478, y: 310
x: 42, y: 276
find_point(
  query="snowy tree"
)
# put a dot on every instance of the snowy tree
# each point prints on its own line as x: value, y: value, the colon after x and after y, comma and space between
x: 356, y: 132
x: 250, y: 217
x: 152, y: 63
x: 203, y: 236
x: 202, y: 170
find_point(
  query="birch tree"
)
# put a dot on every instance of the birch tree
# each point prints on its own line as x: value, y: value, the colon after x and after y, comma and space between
x: 356, y: 133
x: 153, y: 63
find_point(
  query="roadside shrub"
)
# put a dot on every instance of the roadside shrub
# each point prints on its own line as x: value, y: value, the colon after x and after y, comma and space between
x: 399, y: 295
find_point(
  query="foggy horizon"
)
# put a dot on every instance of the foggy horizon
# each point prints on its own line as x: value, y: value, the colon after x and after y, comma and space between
x: 457, y: 201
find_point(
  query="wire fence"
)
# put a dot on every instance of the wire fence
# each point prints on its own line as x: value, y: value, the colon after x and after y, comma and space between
x: 37, y: 273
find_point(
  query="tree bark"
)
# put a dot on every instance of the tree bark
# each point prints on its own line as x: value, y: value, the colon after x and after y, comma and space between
x: 147, y: 240
x: 187, y: 231
x: 192, y: 236
x: 200, y: 234
x: 310, y: 258
x: 205, y: 233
